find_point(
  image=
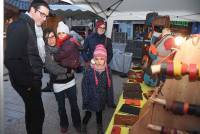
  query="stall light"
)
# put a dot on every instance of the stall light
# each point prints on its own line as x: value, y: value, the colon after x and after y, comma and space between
x: 179, y: 40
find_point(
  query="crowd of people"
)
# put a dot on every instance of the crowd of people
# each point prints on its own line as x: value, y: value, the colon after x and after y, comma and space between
x: 30, y: 49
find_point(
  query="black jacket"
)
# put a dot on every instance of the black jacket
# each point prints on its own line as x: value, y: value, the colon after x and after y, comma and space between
x: 21, y: 55
x: 90, y: 43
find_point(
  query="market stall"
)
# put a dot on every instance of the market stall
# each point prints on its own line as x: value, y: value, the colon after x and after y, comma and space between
x: 132, y: 99
x: 175, y: 107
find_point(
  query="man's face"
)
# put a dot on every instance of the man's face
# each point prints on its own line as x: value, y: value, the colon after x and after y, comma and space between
x: 39, y: 15
x: 101, y: 29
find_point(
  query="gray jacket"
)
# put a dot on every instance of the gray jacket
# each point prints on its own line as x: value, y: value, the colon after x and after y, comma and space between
x: 59, y: 74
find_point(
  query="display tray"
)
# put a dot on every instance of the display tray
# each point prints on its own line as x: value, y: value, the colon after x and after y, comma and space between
x: 125, y: 128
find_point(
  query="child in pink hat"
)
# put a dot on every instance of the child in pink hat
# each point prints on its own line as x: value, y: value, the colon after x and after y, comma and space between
x: 97, y: 89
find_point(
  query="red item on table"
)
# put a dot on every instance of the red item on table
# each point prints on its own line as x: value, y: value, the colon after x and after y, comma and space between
x: 116, y: 130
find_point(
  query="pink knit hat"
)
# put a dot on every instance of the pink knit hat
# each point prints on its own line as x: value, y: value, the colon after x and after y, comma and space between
x: 101, y: 51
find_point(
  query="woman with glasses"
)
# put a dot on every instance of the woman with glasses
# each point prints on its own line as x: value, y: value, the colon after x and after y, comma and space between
x: 63, y: 83
x: 93, y: 39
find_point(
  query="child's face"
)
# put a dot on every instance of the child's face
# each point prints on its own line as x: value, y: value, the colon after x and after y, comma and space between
x: 61, y: 35
x: 99, y: 61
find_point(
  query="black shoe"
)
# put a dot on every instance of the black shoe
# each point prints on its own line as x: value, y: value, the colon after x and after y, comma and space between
x: 84, y: 129
x: 48, y: 88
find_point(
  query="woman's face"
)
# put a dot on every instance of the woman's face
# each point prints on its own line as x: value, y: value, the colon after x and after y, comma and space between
x: 51, y: 39
x: 99, y: 61
x: 101, y: 30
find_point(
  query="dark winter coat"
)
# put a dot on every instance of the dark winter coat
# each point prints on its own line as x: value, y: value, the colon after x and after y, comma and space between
x: 68, y: 55
x: 90, y: 43
x: 96, y: 97
x: 21, y: 55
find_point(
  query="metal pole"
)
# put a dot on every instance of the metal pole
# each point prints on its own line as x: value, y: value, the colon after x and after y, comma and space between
x: 1, y: 74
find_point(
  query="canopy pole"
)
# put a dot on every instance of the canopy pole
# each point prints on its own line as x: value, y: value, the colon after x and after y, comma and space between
x: 102, y: 11
x: 118, y: 3
x: 91, y: 6
x: 109, y: 27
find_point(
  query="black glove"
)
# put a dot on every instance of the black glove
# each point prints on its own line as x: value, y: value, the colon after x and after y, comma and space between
x: 36, y: 85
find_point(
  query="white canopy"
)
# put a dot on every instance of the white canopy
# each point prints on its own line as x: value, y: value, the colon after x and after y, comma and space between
x: 188, y: 10
x: 190, y: 6
x: 73, y: 11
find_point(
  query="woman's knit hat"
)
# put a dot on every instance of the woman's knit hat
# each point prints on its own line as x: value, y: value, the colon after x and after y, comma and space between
x: 62, y: 27
x: 101, y: 51
x: 99, y: 23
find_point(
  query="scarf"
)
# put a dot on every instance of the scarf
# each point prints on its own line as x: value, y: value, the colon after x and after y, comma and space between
x: 53, y: 49
x: 60, y: 42
x: 100, y: 70
x: 40, y: 42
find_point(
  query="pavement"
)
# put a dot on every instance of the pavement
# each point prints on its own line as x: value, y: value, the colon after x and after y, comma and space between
x: 14, y: 108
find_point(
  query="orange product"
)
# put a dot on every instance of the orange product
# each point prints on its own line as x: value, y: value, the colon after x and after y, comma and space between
x: 132, y: 102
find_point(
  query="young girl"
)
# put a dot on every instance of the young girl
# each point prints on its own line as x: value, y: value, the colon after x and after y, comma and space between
x: 97, y: 89
x: 68, y: 54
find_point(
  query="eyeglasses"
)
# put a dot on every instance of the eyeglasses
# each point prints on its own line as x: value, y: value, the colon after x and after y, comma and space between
x: 43, y: 15
x: 102, y: 28
x: 51, y: 37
